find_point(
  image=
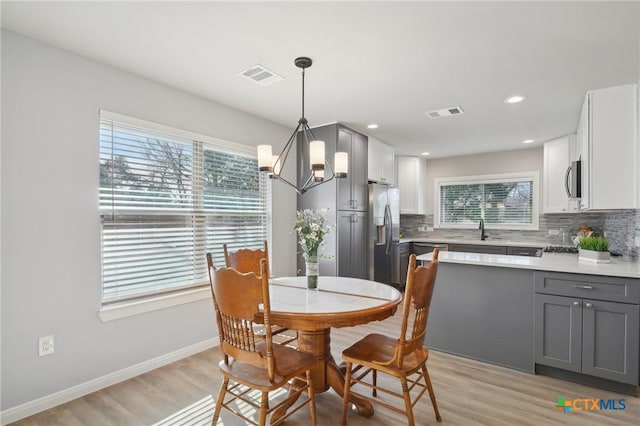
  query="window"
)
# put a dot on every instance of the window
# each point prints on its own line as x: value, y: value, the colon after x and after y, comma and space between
x: 167, y: 197
x: 507, y: 201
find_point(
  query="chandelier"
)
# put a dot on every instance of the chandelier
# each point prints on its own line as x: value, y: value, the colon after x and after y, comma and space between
x: 320, y: 170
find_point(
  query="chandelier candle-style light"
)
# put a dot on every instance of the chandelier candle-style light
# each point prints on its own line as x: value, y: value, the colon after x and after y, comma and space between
x: 320, y: 170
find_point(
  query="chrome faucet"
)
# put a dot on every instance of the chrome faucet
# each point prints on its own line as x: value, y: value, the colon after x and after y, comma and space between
x: 483, y: 236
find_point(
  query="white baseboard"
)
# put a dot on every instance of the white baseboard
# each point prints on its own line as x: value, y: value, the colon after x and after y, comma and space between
x: 32, y: 407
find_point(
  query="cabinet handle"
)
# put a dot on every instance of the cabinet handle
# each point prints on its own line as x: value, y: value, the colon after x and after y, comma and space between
x: 576, y: 303
x: 588, y: 305
x: 586, y: 287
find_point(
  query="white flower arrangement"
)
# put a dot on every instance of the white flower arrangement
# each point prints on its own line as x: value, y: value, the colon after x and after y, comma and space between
x: 311, y: 228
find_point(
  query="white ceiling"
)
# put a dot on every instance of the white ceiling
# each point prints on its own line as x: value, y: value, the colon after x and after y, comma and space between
x: 381, y: 62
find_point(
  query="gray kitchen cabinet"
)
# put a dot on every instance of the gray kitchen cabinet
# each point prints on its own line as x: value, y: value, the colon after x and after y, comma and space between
x: 588, y: 335
x: 558, y: 332
x: 523, y: 251
x: 353, y: 191
x: 338, y: 199
x: 405, y: 252
x: 477, y: 248
x: 610, y: 340
x: 352, y: 244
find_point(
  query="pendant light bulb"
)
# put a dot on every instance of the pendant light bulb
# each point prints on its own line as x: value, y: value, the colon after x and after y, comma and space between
x: 265, y: 158
x: 341, y: 164
x: 316, y: 155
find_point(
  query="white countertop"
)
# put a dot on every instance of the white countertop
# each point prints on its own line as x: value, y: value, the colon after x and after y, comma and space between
x: 554, y: 262
x: 488, y: 242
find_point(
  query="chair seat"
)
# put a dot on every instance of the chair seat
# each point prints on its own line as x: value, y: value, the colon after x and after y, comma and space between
x: 289, y: 363
x: 375, y: 349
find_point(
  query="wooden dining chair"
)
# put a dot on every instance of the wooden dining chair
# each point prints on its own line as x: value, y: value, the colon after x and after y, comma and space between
x: 403, y: 357
x: 248, y: 260
x: 254, y: 362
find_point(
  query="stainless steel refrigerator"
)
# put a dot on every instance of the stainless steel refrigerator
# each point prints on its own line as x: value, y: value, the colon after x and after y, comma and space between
x: 383, y: 234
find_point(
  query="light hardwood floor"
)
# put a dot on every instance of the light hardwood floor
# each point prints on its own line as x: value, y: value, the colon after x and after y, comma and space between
x: 468, y: 392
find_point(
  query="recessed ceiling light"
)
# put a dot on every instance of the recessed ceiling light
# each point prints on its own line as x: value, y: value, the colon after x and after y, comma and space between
x: 528, y: 141
x: 515, y: 99
x: 425, y: 153
x: 372, y: 126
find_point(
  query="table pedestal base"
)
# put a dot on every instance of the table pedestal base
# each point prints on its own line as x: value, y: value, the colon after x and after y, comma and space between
x: 326, y: 373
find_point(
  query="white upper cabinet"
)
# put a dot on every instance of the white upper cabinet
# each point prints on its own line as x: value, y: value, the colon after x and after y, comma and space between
x: 411, y: 180
x: 380, y: 162
x: 610, y: 149
x: 557, y: 159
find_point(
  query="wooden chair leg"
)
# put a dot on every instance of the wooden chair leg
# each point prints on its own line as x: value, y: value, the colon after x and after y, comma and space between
x: 407, y: 400
x: 375, y: 383
x: 264, y: 406
x: 312, y: 399
x: 432, y: 394
x: 220, y: 401
x: 345, y: 398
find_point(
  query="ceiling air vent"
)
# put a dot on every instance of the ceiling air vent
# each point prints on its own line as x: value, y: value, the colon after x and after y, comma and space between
x: 446, y: 112
x: 260, y: 75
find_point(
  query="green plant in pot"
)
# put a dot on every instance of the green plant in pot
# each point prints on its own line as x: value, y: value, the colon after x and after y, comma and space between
x: 594, y: 249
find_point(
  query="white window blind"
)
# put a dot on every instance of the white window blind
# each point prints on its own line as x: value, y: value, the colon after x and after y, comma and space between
x: 165, y: 201
x: 503, y: 201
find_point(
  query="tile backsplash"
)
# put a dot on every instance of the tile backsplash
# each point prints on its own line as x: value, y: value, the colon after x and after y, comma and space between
x: 621, y: 227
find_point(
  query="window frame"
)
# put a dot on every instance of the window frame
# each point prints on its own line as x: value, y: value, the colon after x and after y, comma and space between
x: 162, y: 298
x: 529, y: 176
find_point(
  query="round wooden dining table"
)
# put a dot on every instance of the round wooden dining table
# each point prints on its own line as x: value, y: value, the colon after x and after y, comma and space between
x: 337, y: 302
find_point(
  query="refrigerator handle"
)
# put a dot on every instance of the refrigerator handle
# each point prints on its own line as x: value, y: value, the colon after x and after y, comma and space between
x: 388, y: 225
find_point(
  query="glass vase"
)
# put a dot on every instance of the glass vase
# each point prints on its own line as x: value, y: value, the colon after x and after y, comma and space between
x: 311, y: 270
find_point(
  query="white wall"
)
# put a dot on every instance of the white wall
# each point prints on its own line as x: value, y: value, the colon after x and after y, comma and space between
x: 521, y: 160
x: 50, y: 223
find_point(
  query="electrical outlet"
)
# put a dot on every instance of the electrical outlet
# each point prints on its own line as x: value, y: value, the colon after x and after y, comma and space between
x: 429, y: 228
x: 554, y: 232
x: 45, y: 345
x: 422, y: 229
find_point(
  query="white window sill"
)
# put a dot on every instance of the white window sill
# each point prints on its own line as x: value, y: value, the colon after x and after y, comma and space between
x: 152, y: 303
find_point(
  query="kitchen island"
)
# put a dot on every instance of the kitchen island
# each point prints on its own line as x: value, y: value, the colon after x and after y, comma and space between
x: 552, y: 314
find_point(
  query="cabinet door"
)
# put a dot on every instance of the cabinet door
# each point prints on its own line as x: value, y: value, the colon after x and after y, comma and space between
x: 360, y: 190
x: 410, y: 181
x: 352, y: 244
x: 472, y: 248
x: 352, y: 190
x: 523, y: 251
x: 556, y: 161
x: 359, y: 246
x: 380, y: 162
x: 374, y: 160
x: 612, y: 158
x: 345, y: 218
x: 388, y: 164
x: 610, y: 340
x: 558, y: 332
x: 345, y: 197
